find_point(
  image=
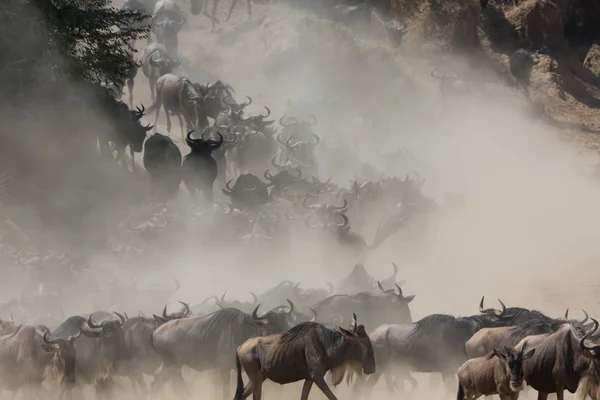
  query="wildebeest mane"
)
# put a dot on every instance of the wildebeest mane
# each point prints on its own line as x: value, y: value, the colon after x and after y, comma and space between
x: 229, y: 327
x: 532, y: 327
x: 299, y: 332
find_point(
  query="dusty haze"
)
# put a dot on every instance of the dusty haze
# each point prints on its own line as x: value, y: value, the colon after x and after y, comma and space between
x: 526, y: 233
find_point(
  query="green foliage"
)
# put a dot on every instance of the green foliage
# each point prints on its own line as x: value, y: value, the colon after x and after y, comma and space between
x: 44, y: 41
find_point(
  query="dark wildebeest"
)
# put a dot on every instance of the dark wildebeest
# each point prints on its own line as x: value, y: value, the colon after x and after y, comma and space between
x: 162, y: 160
x: 306, y: 352
x: 213, y: 340
x: 167, y: 21
x: 28, y: 357
x: 156, y: 62
x: 520, y: 64
x: 436, y: 343
x: 561, y: 361
x: 143, y: 359
x: 390, y: 306
x: 199, y: 166
x: 99, y: 351
x: 488, y: 339
x: 498, y: 373
x: 128, y: 132
x: 248, y: 192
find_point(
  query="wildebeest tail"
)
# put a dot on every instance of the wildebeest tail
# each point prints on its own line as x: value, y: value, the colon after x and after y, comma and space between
x: 239, y: 391
x: 460, y: 395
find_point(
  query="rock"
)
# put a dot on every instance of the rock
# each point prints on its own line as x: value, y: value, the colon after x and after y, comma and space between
x: 592, y: 59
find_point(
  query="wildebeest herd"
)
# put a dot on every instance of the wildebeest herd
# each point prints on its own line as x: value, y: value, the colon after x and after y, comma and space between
x: 288, y: 334
x: 272, y: 180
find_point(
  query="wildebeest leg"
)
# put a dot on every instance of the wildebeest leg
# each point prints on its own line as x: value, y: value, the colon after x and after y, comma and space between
x: 181, y: 125
x: 168, y: 119
x: 449, y: 382
x: 161, y: 377
x: 130, y: 89
x: 233, y: 4
x: 157, y: 113
x: 306, y: 389
x: 132, y: 153
x: 179, y: 385
x: 141, y: 384
x: 152, y: 83
x: 321, y: 384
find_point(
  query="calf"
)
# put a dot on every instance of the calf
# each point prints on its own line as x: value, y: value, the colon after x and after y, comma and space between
x: 305, y: 352
x: 496, y: 373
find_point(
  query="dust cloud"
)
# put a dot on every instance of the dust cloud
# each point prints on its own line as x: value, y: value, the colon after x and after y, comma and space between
x: 524, y: 228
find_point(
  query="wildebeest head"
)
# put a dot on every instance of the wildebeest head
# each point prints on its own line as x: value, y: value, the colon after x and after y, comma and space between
x: 492, y: 312
x: 248, y: 191
x: 163, y: 63
x: 589, y: 384
x: 65, y: 353
x: 276, y: 320
x: 512, y: 362
x: 201, y: 146
x: 7, y: 326
x: 243, y: 306
x: 286, y: 177
x: 363, y: 349
x: 213, y: 97
x: 257, y: 123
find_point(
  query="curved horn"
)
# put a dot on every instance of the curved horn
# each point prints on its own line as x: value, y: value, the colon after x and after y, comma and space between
x: 399, y: 291
x: 315, y: 315
x: 90, y: 323
x: 343, y: 207
x: 481, y: 309
x: 121, y: 318
x: 274, y: 163
x: 268, y: 176
x: 186, y: 308
x: 59, y: 341
x: 255, y: 315
x: 317, y: 140
x: 254, y: 297
x: 314, y: 120
x: 228, y: 189
x: 282, y: 122
x: 268, y: 113
x: 567, y: 314
x: 584, y: 320
x: 292, y: 307
x: 503, y: 308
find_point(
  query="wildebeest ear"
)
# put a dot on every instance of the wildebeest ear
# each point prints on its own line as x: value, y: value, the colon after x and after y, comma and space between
x: 499, y: 354
x: 345, y: 332
x: 529, y: 354
x: 408, y: 299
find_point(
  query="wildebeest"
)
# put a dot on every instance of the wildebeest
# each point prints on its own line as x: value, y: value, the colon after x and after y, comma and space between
x: 214, y: 340
x: 589, y: 384
x: 488, y: 339
x: 162, y: 160
x: 196, y: 10
x: 156, y: 62
x: 560, y: 361
x: 185, y: 99
x: 98, y: 352
x: 167, y: 21
x: 297, y: 142
x: 248, y: 192
x: 391, y: 307
x: 306, y: 352
x: 128, y: 132
x: 28, y: 356
x: 436, y: 343
x: 199, y: 167
x: 499, y: 372
x: 142, y: 358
